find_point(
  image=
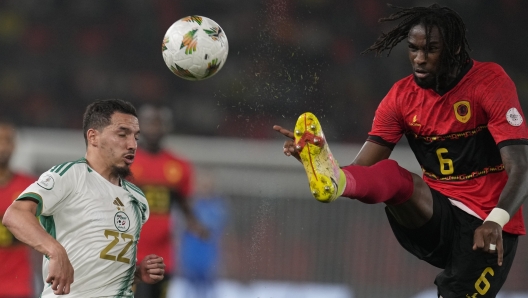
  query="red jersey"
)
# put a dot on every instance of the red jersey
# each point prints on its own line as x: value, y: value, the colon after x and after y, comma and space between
x: 456, y: 136
x: 15, y: 276
x: 161, y: 176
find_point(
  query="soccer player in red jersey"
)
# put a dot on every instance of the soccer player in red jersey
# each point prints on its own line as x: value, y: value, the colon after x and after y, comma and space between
x: 165, y: 178
x: 464, y: 123
x: 16, y: 274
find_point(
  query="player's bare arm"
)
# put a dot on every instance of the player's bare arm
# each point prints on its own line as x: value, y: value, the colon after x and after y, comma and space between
x: 151, y: 270
x: 192, y: 223
x: 371, y: 153
x: 515, y: 160
x: 21, y: 221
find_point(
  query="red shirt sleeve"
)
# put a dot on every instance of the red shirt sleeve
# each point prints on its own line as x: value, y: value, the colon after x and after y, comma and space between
x: 506, y: 120
x: 386, y: 127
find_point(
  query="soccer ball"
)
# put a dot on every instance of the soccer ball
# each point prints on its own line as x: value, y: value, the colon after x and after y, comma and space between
x: 195, y: 48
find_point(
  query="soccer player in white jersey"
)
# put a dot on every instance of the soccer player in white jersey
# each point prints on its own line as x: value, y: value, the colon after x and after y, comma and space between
x: 90, y: 217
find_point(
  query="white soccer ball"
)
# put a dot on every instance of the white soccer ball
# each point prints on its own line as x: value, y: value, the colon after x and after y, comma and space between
x: 195, y: 48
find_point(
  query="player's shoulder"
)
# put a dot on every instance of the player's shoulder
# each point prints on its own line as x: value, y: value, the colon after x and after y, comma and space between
x: 405, y: 84
x: 401, y: 90
x: 170, y: 157
x: 160, y: 156
x: 131, y: 187
x: 70, y: 168
x: 488, y: 77
x: 488, y: 69
x: 67, y: 173
x: 173, y: 156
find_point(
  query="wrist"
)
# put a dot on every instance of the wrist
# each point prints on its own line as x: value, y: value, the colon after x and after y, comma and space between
x: 137, y: 274
x: 499, y: 216
x: 52, y: 250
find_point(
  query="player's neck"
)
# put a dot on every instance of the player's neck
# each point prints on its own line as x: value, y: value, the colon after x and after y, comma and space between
x: 453, y: 78
x: 5, y: 175
x: 99, y: 166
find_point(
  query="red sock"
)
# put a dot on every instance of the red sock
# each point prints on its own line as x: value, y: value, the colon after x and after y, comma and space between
x: 385, y: 182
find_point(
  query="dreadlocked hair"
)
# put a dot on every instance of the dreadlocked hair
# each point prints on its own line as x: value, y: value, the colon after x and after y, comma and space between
x: 453, y: 30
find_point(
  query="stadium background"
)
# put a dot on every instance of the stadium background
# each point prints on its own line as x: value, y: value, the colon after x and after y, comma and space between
x: 285, y: 57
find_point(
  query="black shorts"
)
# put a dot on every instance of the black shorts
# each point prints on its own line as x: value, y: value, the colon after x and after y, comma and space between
x: 446, y: 241
x: 157, y: 290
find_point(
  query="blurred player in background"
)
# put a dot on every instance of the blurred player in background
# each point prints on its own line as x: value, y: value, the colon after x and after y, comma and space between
x: 90, y: 217
x: 464, y: 123
x: 16, y: 274
x: 165, y: 179
x: 200, y: 258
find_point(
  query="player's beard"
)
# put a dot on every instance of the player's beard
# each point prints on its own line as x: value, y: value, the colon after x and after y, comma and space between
x: 122, y: 172
x: 437, y: 81
x: 429, y: 83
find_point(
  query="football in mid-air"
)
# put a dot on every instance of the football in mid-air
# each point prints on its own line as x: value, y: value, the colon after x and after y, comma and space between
x: 195, y: 48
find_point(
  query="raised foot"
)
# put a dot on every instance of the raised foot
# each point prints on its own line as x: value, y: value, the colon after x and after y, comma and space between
x: 321, y: 168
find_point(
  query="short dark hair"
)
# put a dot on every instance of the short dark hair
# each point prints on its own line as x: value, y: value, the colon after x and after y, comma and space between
x: 99, y: 113
x: 449, y: 23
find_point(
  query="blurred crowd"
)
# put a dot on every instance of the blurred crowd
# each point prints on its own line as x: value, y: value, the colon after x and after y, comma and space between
x: 286, y: 57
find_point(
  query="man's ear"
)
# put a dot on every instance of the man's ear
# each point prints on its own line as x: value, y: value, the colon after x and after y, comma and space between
x: 92, y: 136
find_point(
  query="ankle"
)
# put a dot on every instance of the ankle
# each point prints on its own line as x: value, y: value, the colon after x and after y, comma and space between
x: 341, y: 183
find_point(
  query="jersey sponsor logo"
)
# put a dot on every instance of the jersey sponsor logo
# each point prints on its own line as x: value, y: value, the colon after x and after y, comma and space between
x: 414, y: 122
x: 462, y: 111
x: 121, y: 221
x: 514, y: 117
x: 120, y: 206
x: 46, y: 181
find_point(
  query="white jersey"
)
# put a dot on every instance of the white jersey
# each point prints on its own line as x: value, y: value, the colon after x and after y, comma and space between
x: 97, y: 222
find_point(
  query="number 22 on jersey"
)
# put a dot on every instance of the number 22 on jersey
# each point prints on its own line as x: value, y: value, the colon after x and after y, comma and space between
x: 129, y: 239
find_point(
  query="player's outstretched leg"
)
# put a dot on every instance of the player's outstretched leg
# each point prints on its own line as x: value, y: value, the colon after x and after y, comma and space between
x: 325, y: 178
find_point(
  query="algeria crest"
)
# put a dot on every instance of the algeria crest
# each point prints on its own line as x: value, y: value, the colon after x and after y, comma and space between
x: 121, y: 221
